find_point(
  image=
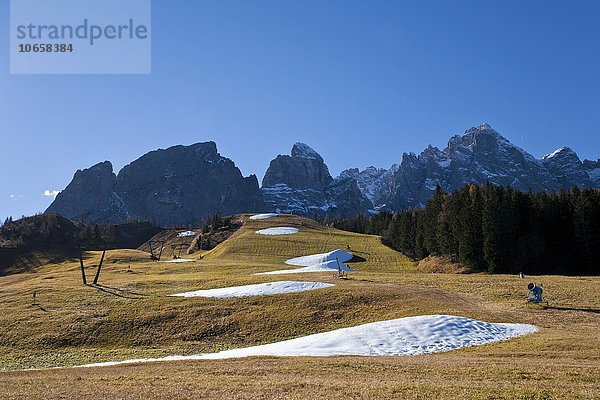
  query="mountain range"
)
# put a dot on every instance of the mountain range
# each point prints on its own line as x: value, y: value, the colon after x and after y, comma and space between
x: 183, y: 185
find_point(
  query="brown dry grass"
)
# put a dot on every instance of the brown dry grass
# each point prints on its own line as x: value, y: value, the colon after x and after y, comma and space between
x: 441, y: 265
x: 130, y: 316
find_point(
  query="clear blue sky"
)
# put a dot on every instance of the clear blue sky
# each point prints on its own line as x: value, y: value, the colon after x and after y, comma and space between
x: 360, y: 81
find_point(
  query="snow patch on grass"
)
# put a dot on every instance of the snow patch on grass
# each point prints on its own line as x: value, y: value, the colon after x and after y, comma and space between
x: 262, y: 289
x: 324, y: 262
x: 280, y: 230
x: 398, y: 337
x: 186, y: 234
x: 262, y: 216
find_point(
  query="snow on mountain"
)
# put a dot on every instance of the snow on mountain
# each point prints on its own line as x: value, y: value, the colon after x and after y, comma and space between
x: 565, y: 165
x: 301, y: 184
x: 301, y: 150
x: 369, y: 180
x: 181, y: 185
x: 593, y: 170
x: 479, y: 155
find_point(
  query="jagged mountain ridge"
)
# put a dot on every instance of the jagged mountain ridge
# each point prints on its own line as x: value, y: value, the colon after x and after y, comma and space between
x: 301, y: 184
x: 593, y: 170
x: 177, y: 186
x: 182, y: 185
x: 480, y: 155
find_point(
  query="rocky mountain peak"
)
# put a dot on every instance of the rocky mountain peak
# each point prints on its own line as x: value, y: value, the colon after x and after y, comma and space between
x: 483, y: 129
x: 563, y: 152
x: 593, y: 170
x: 91, y: 197
x: 568, y: 169
x: 301, y: 184
x: 102, y: 167
x: 177, y: 186
x: 305, y: 168
x: 181, y: 185
x: 369, y: 181
x: 301, y: 150
x: 206, y: 150
x: 482, y: 137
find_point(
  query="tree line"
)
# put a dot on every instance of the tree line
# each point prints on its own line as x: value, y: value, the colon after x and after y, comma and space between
x: 494, y: 229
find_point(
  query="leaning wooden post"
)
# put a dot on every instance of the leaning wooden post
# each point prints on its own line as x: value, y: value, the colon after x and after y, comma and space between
x: 100, y: 265
x: 162, y: 247
x: 81, y: 264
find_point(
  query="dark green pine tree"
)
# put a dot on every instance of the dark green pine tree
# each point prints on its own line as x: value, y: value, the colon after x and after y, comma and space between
x: 431, y: 220
x: 490, y: 229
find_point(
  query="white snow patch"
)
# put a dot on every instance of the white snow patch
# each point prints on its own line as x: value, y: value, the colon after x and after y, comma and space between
x: 263, y: 216
x: 332, y: 261
x: 261, y: 289
x: 554, y: 153
x: 398, y: 337
x: 445, y: 163
x: 595, y: 175
x: 404, y: 336
x: 308, y: 261
x: 186, y: 234
x: 179, y: 260
x: 280, y: 230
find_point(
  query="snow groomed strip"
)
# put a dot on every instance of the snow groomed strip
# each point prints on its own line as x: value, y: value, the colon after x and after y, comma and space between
x: 262, y: 216
x: 398, y: 337
x: 325, y: 262
x: 179, y: 260
x: 280, y: 230
x: 262, y: 289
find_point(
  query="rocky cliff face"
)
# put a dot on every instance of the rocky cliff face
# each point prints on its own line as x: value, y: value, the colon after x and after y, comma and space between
x: 304, y: 169
x: 180, y: 185
x: 593, y: 170
x: 564, y: 165
x: 301, y: 184
x: 91, y: 197
x: 480, y: 155
x: 184, y: 184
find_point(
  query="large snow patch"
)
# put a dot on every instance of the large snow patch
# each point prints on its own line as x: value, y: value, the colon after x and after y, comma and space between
x: 280, y: 230
x: 332, y: 261
x: 262, y: 216
x: 262, y: 289
x: 398, y: 337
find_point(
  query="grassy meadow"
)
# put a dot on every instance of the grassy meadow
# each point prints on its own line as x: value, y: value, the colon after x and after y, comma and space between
x: 129, y: 315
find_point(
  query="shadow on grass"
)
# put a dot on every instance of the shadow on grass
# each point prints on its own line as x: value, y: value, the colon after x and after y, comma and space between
x: 589, y: 310
x: 118, y: 292
x: 357, y: 259
x: 361, y: 252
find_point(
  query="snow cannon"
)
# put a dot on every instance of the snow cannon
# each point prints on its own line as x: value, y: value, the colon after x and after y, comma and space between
x: 535, y: 295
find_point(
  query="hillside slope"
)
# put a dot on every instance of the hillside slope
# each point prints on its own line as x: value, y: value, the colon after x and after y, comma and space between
x: 129, y: 315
